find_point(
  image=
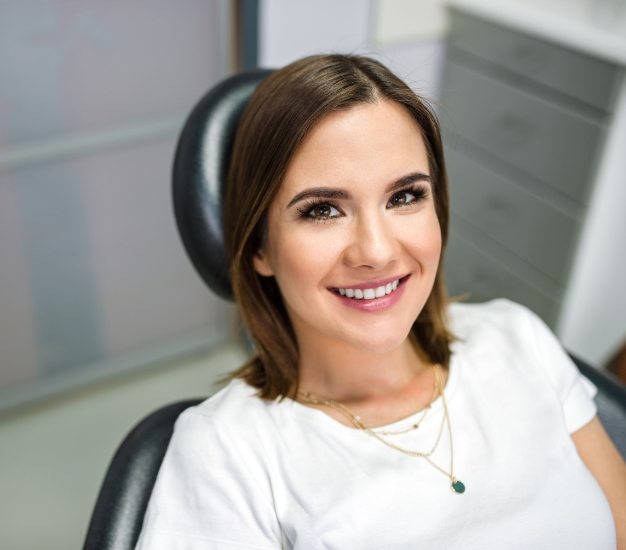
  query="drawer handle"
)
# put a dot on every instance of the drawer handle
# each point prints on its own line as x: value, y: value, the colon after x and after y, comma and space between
x: 499, y: 213
x: 528, y: 58
x: 510, y: 130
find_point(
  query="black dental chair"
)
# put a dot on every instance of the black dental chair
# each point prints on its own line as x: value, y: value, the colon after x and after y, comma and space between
x: 199, y: 175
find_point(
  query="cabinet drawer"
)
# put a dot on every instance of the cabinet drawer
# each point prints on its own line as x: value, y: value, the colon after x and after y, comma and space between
x: 591, y: 80
x: 536, y: 231
x: 544, y: 140
x: 469, y: 270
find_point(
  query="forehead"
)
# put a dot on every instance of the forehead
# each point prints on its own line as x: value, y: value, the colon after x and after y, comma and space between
x: 365, y: 146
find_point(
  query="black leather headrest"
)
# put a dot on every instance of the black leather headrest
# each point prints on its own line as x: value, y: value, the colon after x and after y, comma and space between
x: 200, y: 171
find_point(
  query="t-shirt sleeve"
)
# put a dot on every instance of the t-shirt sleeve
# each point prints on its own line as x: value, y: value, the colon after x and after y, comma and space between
x: 575, y: 391
x: 207, y: 496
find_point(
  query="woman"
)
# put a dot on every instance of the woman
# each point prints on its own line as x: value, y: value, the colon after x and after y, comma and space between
x: 374, y: 415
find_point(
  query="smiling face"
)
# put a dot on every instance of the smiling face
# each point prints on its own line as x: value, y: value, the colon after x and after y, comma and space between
x: 353, y: 239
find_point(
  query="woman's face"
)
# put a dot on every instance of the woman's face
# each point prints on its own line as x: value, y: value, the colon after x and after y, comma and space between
x: 353, y: 238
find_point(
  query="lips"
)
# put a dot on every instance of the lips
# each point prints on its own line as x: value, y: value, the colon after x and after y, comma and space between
x: 376, y: 290
x: 369, y: 293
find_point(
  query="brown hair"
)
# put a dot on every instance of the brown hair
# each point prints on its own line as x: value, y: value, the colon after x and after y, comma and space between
x: 281, y: 112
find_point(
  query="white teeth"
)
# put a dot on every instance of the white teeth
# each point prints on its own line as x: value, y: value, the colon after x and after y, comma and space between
x: 369, y: 293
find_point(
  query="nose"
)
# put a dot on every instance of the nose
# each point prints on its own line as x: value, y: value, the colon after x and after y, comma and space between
x: 372, y: 243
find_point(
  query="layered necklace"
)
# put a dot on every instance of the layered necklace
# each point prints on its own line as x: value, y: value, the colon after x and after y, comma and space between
x: 382, y: 435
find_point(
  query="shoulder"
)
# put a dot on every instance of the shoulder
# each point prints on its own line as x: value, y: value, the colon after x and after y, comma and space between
x: 213, y: 488
x: 493, y: 310
x: 235, y: 400
x: 510, y: 338
x: 227, y: 433
x: 492, y: 321
x: 502, y: 323
x: 503, y: 327
x: 233, y: 413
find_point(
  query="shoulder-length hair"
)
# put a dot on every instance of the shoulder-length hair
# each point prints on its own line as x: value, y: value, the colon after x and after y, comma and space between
x: 280, y: 114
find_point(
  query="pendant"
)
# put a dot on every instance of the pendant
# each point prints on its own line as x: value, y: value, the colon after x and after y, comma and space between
x: 457, y: 486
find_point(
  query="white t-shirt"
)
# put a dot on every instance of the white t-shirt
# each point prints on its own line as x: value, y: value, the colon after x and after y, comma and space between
x: 243, y: 473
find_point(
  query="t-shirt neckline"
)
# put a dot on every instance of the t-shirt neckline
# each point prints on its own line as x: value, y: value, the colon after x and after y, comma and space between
x: 319, y: 416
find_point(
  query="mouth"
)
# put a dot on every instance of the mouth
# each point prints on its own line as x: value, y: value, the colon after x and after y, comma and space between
x: 373, y: 292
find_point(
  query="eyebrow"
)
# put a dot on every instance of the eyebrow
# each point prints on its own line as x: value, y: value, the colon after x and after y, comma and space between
x: 333, y: 193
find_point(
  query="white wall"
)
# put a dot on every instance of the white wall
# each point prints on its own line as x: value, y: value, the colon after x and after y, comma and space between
x: 593, y: 324
x: 406, y: 35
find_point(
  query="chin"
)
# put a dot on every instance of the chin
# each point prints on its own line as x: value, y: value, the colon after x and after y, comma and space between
x: 382, y: 343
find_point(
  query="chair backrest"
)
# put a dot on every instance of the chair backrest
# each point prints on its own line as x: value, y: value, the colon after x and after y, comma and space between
x: 200, y: 172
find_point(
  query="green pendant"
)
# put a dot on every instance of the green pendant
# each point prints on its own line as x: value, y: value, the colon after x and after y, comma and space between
x: 458, y: 487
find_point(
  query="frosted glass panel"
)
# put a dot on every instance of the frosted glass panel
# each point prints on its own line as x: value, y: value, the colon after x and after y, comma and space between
x: 72, y: 66
x: 92, y: 270
x: 91, y: 263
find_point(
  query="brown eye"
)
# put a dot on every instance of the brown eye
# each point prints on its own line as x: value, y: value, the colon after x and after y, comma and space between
x: 406, y: 197
x: 323, y: 212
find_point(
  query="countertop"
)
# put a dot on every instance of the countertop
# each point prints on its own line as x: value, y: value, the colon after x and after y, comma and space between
x: 595, y: 27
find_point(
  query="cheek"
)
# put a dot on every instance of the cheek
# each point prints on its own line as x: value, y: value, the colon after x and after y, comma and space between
x: 433, y: 243
x: 426, y: 245
x: 304, y: 257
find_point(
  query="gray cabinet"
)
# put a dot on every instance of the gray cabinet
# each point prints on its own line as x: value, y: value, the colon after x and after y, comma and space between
x: 524, y: 124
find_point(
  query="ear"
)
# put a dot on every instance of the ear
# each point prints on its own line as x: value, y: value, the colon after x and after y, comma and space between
x: 261, y: 264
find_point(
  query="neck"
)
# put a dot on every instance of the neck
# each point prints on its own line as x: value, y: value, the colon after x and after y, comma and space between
x: 352, y: 375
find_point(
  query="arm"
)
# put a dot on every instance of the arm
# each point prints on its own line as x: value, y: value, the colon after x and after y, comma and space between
x: 608, y: 467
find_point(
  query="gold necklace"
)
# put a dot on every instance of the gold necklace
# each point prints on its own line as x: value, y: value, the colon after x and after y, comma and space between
x: 416, y: 424
x: 456, y: 485
x: 358, y: 423
x: 355, y: 419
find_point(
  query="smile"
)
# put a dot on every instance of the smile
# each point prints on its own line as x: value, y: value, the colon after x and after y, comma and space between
x: 369, y: 293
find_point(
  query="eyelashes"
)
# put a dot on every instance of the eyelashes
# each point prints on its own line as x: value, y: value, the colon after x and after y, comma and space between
x: 323, y: 210
x: 407, y: 197
x: 319, y: 210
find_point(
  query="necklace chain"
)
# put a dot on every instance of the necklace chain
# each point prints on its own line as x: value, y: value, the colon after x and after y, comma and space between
x: 456, y: 485
x: 415, y: 425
